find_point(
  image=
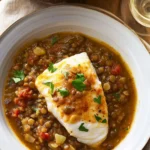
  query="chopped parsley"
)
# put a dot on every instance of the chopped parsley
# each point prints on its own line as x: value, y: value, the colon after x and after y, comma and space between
x: 104, y: 121
x: 37, y: 111
x: 18, y: 76
x: 16, y: 80
x: 34, y: 109
x: 82, y: 128
x: 98, y: 99
x: 51, y: 68
x: 97, y: 118
x: 51, y: 85
x: 127, y: 128
x: 100, y: 119
x: 80, y: 76
x: 64, y: 92
x: 54, y: 40
x: 78, y: 82
x: 66, y: 74
x: 117, y: 95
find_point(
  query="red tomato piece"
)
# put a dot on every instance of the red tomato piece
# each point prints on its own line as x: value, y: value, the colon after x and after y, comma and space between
x: 25, y: 94
x: 45, y: 136
x: 116, y: 69
x: 32, y: 58
x: 56, y: 48
x: 15, y: 112
x: 19, y: 102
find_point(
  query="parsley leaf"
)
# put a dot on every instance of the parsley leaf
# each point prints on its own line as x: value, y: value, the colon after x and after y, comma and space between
x: 104, y: 121
x: 37, y: 111
x: 16, y: 80
x: 51, y: 68
x: 64, y: 92
x: 78, y: 82
x: 98, y: 99
x: 97, y: 118
x: 51, y: 85
x: 54, y: 40
x: 117, y: 95
x: 82, y: 128
x: 66, y: 74
x: 18, y: 76
x: 127, y: 128
x: 80, y: 76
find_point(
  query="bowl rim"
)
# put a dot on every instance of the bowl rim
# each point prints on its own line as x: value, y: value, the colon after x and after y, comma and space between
x: 9, y: 29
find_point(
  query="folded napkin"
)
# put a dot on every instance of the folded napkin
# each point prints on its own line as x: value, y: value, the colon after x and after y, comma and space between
x: 12, y: 10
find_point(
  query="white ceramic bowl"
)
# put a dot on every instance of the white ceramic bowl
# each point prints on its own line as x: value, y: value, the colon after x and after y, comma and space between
x: 97, y: 25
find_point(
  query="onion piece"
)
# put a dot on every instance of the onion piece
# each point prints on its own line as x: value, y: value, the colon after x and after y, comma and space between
x: 39, y: 51
x: 52, y: 145
x: 71, y: 147
x: 60, y: 139
x: 29, y: 138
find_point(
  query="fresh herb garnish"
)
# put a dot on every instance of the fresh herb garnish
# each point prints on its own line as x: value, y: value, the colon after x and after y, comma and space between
x: 104, y: 121
x: 51, y: 68
x: 80, y: 76
x: 78, y: 82
x: 64, y: 92
x: 37, y: 111
x: 117, y: 95
x: 82, y: 128
x: 34, y: 109
x: 51, y: 85
x: 54, y: 40
x: 127, y: 128
x: 18, y: 76
x: 97, y: 118
x: 66, y: 74
x: 16, y: 80
x: 98, y: 99
x: 100, y: 119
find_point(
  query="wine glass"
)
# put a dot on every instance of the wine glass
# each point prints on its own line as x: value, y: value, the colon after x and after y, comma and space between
x: 136, y: 14
x: 140, y: 10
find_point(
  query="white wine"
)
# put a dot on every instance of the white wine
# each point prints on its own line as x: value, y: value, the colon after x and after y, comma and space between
x: 140, y: 10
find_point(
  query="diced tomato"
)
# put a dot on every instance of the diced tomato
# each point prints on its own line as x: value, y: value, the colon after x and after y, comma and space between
x: 32, y: 58
x: 116, y: 69
x: 25, y: 94
x: 45, y: 66
x: 15, y: 112
x: 19, y: 102
x: 45, y: 136
x: 56, y: 48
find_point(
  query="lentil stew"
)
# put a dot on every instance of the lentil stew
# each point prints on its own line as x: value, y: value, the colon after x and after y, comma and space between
x: 26, y: 109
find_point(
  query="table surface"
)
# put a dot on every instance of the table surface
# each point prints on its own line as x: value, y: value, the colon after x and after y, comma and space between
x: 121, y: 9
x: 113, y: 6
